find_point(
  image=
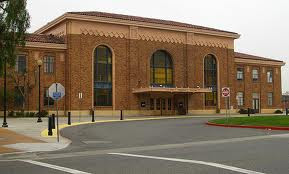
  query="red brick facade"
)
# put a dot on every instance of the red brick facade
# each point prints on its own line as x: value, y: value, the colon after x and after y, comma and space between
x: 131, y: 54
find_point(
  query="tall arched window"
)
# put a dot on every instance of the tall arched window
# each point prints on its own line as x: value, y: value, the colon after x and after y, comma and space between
x: 210, y: 73
x: 161, y: 69
x: 102, y: 76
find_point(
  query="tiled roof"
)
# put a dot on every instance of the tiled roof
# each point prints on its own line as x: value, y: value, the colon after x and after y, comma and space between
x: 144, y: 19
x: 44, y: 38
x: 247, y: 56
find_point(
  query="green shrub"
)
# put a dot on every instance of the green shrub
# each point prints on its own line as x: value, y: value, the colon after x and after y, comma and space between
x: 43, y: 113
x: 20, y: 114
x: 31, y: 114
x: 11, y: 113
x: 243, y: 111
x: 278, y: 112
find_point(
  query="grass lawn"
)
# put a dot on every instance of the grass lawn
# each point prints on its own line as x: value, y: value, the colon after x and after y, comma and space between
x: 281, y: 121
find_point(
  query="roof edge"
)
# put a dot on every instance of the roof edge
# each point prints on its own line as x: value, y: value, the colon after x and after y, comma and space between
x: 69, y: 15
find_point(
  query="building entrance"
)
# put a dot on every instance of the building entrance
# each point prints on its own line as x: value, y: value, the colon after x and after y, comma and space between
x: 162, y: 105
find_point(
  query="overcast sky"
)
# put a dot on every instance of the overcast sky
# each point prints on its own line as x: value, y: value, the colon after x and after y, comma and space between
x: 263, y: 24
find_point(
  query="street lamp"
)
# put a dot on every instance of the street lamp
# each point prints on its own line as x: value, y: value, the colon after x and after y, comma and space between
x: 5, y: 94
x: 39, y: 63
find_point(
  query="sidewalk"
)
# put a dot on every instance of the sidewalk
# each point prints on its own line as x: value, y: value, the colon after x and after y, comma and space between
x: 24, y: 134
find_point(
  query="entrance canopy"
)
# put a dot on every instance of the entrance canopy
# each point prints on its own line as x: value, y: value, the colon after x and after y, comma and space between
x: 171, y: 90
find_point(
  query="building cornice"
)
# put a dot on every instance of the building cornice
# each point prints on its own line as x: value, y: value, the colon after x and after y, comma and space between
x: 254, y: 61
x: 68, y: 16
x: 46, y: 45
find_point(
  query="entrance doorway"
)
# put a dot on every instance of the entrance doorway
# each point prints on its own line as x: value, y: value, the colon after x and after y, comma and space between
x: 181, y: 104
x: 163, y: 105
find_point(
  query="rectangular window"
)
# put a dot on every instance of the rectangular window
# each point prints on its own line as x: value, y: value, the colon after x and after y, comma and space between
x: 48, y: 101
x: 18, y: 97
x: 48, y: 64
x: 152, y: 104
x: 211, y: 99
x: 255, y: 74
x: 20, y: 64
x: 240, y: 99
x: 102, y: 97
x: 169, y: 104
x: 270, y: 76
x: 158, y: 103
x: 270, y: 98
x: 240, y: 73
x: 164, y: 104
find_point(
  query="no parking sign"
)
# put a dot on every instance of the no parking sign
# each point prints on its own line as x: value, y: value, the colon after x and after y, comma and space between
x: 225, y: 92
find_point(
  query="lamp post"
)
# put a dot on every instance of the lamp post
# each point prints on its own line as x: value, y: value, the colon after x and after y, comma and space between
x: 39, y: 63
x: 5, y: 94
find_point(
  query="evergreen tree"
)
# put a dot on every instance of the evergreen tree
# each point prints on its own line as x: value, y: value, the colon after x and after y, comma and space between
x: 14, y: 21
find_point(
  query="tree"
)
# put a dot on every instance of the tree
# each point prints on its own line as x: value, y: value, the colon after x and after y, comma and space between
x: 14, y: 21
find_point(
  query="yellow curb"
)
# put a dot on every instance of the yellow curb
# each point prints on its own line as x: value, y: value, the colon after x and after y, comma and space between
x: 44, y: 133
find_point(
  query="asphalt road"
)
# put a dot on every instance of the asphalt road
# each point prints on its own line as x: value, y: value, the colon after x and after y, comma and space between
x: 169, y: 146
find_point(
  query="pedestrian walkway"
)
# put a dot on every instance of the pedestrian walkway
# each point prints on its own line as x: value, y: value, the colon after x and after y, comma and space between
x: 8, y: 137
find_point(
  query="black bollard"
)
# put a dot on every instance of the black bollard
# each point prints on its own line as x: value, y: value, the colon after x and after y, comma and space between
x: 69, y: 118
x: 53, y: 121
x: 92, y: 115
x: 121, y: 116
x: 287, y: 111
x: 50, y: 133
x: 249, y: 111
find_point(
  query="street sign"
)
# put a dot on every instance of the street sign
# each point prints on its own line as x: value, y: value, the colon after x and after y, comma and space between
x: 225, y: 92
x: 56, y: 91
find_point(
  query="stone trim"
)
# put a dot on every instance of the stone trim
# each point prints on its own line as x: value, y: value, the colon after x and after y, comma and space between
x: 252, y: 61
x: 46, y: 45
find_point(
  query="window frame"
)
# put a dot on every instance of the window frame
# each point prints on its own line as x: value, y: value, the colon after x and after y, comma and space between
x: 240, y: 100
x: 17, y: 65
x: 269, y: 78
x: 47, y: 100
x: 48, y: 65
x: 270, y: 102
x: 211, y: 82
x: 168, y: 65
x: 254, y: 79
x: 102, y: 88
x: 240, y: 76
x: 18, y: 97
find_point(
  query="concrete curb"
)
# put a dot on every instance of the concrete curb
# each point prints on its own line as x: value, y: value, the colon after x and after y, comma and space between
x: 44, y: 133
x: 251, y: 127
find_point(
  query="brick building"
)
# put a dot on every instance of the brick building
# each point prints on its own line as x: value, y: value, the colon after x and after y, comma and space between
x: 142, y: 66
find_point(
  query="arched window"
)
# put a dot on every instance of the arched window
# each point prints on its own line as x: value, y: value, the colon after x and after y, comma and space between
x: 161, y: 69
x: 102, y: 76
x: 210, y: 73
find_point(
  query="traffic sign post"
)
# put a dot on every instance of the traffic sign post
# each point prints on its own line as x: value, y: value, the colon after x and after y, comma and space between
x: 56, y: 91
x: 226, y: 94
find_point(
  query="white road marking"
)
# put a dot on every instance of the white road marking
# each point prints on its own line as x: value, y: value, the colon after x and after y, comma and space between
x: 236, y: 169
x: 64, y: 169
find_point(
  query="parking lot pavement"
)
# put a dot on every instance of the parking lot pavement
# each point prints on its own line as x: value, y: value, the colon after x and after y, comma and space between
x: 29, y: 129
x: 162, y: 146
